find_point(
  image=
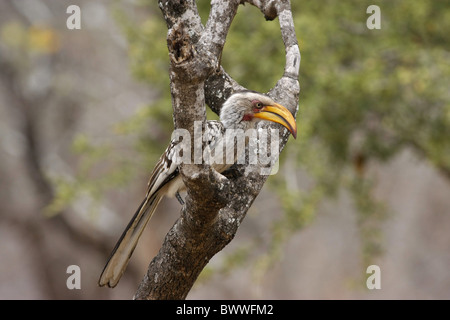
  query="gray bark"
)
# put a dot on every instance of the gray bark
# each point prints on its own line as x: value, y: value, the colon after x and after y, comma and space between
x: 215, y: 204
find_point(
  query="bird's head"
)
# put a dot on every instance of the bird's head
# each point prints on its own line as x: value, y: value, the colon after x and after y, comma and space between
x: 247, y: 107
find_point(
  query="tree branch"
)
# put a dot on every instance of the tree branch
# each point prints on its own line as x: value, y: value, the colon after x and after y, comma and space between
x: 215, y: 204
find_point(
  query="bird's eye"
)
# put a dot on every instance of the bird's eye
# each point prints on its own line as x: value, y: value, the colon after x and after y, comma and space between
x: 257, y: 104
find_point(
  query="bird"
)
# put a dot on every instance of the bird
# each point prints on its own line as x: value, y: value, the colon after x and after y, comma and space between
x: 241, y: 111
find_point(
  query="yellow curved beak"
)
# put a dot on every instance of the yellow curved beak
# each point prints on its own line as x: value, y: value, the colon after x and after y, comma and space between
x: 279, y: 114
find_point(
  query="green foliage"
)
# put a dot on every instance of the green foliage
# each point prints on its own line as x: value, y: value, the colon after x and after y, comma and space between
x: 147, y: 46
x: 367, y: 94
x: 390, y: 86
x: 371, y: 214
x: 254, y: 51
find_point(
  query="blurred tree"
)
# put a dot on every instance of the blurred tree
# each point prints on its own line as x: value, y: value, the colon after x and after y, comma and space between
x: 368, y: 94
x: 31, y: 92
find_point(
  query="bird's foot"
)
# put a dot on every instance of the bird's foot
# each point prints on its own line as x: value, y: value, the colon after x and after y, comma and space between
x: 179, y: 198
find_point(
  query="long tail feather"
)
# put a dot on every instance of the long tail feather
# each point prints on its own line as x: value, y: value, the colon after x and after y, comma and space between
x: 124, y: 248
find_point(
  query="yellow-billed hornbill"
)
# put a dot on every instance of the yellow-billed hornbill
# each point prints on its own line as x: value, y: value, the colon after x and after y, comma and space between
x: 242, y: 110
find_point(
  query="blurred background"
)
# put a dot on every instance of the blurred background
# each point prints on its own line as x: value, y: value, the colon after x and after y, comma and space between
x: 85, y: 114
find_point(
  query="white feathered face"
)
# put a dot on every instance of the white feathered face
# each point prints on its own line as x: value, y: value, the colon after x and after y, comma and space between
x: 252, y: 106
